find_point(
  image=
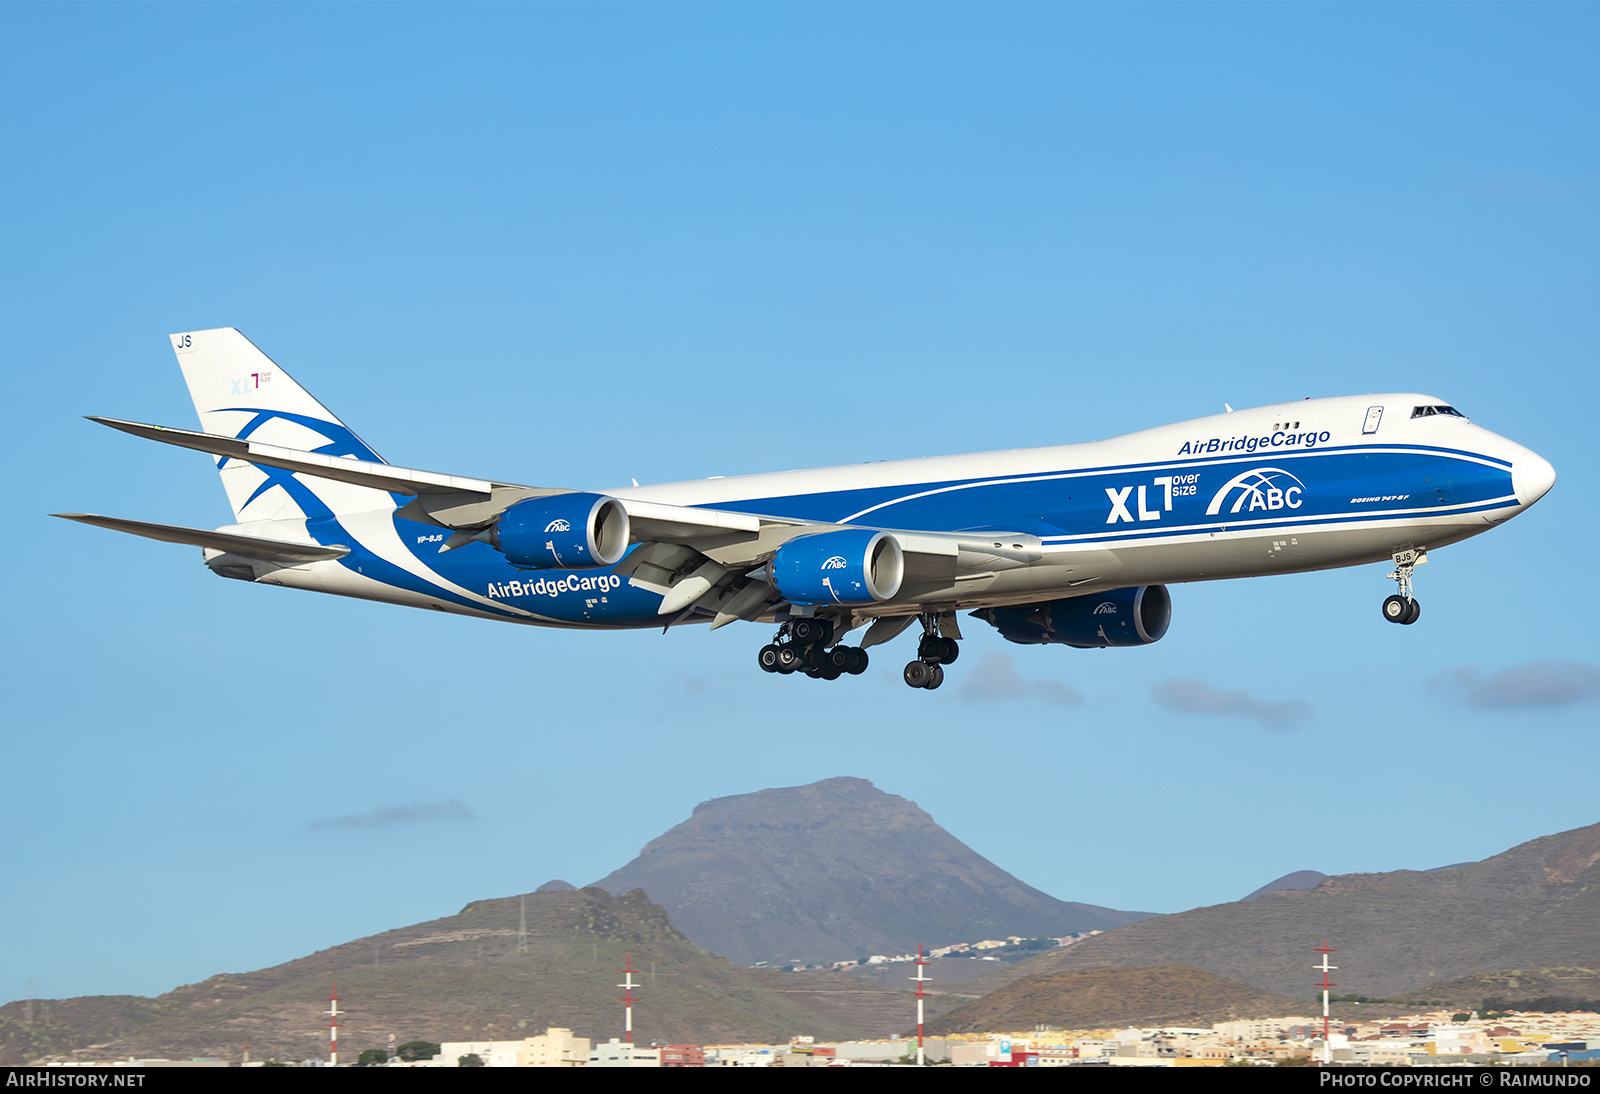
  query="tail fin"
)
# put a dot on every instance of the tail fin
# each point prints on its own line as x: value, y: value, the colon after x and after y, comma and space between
x: 239, y: 392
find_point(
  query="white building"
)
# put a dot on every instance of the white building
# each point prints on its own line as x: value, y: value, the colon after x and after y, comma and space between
x: 555, y: 1047
x: 615, y: 1053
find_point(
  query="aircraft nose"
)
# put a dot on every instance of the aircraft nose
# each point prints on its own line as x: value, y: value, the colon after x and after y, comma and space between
x: 1531, y: 477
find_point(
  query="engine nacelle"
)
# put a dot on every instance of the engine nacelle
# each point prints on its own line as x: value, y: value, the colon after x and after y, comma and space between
x: 563, y: 531
x: 1123, y: 617
x: 851, y: 566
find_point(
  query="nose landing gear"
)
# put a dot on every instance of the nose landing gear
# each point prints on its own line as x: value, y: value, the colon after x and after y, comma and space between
x: 1403, y: 607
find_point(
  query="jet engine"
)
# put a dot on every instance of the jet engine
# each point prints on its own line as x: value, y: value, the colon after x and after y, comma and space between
x: 1136, y: 616
x: 565, y: 531
x: 851, y: 566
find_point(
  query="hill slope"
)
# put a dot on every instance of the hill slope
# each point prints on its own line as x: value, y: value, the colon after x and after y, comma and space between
x: 1096, y: 998
x: 464, y: 978
x: 836, y: 871
x: 1534, y: 906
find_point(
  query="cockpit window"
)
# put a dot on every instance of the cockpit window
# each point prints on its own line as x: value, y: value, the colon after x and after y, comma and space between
x: 1438, y: 408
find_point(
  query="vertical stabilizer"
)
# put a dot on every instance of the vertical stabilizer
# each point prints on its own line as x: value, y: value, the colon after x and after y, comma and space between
x: 239, y: 392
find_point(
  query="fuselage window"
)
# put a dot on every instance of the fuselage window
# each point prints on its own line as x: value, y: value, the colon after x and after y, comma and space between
x: 1426, y: 411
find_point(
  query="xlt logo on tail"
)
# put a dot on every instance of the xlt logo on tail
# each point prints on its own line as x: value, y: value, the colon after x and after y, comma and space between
x: 1263, y: 488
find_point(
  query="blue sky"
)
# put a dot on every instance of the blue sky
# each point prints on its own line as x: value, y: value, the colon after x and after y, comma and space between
x: 572, y: 245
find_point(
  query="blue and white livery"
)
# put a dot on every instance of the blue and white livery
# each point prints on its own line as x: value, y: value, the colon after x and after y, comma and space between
x: 1073, y: 544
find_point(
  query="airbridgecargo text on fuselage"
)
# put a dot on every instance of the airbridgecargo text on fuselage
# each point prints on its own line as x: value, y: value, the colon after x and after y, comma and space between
x: 554, y: 586
x: 1279, y: 439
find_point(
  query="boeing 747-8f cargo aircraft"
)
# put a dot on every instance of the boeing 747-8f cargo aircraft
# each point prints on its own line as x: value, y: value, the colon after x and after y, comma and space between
x: 1074, y: 544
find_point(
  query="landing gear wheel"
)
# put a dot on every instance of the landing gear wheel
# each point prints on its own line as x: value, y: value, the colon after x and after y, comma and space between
x: 938, y: 651
x: 858, y: 661
x: 1403, y: 608
x: 768, y: 658
x: 935, y: 677
x: 829, y: 671
x: 788, y: 659
x: 917, y: 674
x: 807, y: 631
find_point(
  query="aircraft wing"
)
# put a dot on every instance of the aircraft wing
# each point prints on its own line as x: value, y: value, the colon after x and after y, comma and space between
x: 270, y: 550
x: 457, y: 501
x: 379, y: 476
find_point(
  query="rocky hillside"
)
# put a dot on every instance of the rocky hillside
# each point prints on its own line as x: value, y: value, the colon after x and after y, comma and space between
x: 474, y: 975
x: 836, y: 871
x: 1534, y: 906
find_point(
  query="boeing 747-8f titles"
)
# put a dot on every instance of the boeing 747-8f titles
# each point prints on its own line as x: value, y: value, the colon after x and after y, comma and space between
x: 1074, y: 544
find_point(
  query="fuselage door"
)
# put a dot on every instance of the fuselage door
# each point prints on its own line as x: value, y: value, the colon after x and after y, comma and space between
x: 1374, y: 416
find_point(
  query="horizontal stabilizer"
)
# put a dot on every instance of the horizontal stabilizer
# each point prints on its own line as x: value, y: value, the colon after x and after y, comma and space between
x: 269, y: 550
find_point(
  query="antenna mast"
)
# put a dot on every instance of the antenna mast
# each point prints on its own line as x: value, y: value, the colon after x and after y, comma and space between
x: 921, y: 995
x: 1327, y: 1048
x: 627, y: 999
x: 333, y: 1026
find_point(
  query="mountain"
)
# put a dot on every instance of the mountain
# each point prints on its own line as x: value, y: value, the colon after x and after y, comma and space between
x: 474, y: 975
x: 1525, y: 989
x: 836, y: 871
x: 1536, y: 906
x: 1096, y: 998
x: 1300, y: 879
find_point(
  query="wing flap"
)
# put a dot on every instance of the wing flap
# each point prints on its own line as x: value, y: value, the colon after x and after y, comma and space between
x: 652, y: 520
x: 268, y: 550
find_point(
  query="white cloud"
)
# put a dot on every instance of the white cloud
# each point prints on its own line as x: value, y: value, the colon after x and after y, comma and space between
x: 1193, y: 697
x: 996, y: 677
x: 388, y: 816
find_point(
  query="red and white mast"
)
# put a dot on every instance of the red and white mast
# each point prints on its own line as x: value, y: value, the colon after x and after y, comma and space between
x: 333, y: 1026
x: 1327, y: 1048
x: 921, y: 995
x: 627, y: 999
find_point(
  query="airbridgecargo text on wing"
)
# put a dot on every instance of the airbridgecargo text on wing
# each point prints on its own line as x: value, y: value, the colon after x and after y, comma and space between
x: 1280, y: 439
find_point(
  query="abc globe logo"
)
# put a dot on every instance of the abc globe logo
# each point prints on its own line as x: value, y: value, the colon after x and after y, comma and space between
x: 837, y: 562
x: 1263, y: 488
x: 558, y: 526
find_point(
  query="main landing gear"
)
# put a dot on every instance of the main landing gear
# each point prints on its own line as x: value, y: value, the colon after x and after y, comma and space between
x: 933, y: 653
x: 801, y: 645
x: 1403, y: 607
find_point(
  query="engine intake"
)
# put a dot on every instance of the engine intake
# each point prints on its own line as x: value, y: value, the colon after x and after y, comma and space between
x: 852, y: 566
x: 564, y: 531
x: 1135, y: 616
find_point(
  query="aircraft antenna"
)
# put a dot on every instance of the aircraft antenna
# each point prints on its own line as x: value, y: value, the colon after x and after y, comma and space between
x: 627, y: 999
x: 1325, y: 950
x: 921, y: 995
